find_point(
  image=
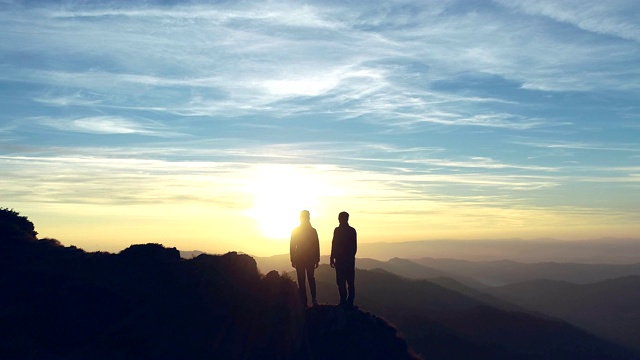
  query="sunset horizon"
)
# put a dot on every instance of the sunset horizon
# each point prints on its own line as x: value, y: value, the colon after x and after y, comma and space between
x: 210, y: 126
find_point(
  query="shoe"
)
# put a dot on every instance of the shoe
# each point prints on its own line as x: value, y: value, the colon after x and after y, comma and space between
x: 314, y: 302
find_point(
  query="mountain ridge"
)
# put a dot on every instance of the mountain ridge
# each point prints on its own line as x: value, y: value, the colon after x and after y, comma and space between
x: 148, y: 302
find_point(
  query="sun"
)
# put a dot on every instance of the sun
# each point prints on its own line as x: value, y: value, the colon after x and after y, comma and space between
x: 280, y: 193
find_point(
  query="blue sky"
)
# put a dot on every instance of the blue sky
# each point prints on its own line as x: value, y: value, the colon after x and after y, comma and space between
x: 439, y: 119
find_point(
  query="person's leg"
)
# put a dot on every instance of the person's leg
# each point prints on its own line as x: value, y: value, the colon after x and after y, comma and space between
x: 312, y: 283
x: 350, y: 279
x: 340, y: 280
x: 302, y: 287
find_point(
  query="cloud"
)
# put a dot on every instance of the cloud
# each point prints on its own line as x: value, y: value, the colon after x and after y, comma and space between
x: 109, y: 125
x: 480, y: 163
x: 75, y: 99
x: 267, y: 58
x: 614, y: 18
x: 121, y: 181
x: 630, y: 147
x: 505, y: 121
x: 201, y: 173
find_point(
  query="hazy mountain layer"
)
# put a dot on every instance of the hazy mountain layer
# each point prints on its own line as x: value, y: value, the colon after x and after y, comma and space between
x: 600, y: 251
x: 608, y: 308
x: 503, y: 272
x: 441, y: 323
x: 479, y: 274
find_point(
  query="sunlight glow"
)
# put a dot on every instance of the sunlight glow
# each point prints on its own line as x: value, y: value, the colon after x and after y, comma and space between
x: 280, y: 193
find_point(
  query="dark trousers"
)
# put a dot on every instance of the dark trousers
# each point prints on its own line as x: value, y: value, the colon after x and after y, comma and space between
x: 345, y: 278
x: 301, y: 270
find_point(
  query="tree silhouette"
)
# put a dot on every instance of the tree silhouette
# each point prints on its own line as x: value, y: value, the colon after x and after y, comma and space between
x: 15, y: 228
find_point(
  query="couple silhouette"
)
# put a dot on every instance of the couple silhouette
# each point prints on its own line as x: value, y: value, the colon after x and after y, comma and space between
x: 305, y: 257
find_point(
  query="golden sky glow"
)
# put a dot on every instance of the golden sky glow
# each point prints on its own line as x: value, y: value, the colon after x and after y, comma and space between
x: 254, y: 210
x: 210, y: 126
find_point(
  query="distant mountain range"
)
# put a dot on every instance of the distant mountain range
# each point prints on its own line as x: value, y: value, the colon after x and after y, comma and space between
x: 446, y: 320
x: 599, y: 251
x: 503, y: 272
x: 599, y: 298
x: 478, y: 274
x: 609, y: 308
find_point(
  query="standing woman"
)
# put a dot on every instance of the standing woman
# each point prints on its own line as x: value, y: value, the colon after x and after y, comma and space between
x: 305, y: 256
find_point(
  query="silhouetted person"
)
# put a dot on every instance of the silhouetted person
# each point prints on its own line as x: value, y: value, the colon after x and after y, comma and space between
x: 343, y: 257
x: 305, y: 256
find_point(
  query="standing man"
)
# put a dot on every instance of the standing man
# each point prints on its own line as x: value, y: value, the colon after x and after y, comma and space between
x: 305, y: 256
x: 343, y: 258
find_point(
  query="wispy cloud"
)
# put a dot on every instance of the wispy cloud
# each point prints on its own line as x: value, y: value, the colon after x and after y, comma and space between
x: 615, y: 18
x: 76, y: 99
x: 125, y: 181
x: 349, y: 67
x: 107, y: 125
x: 574, y: 145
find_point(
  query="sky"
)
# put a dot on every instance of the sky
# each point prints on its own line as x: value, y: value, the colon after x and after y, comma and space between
x: 210, y: 125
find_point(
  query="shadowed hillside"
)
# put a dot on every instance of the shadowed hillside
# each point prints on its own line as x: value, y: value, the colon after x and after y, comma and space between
x: 147, y: 303
x: 336, y: 333
x: 143, y: 303
x: 441, y: 323
x: 609, y: 308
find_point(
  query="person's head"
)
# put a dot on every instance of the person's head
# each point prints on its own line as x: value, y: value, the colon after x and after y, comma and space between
x: 343, y: 217
x: 305, y: 216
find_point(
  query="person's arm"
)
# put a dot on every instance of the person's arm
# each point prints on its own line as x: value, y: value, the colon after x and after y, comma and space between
x: 355, y: 242
x: 292, y: 248
x: 332, y: 259
x: 316, y: 249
